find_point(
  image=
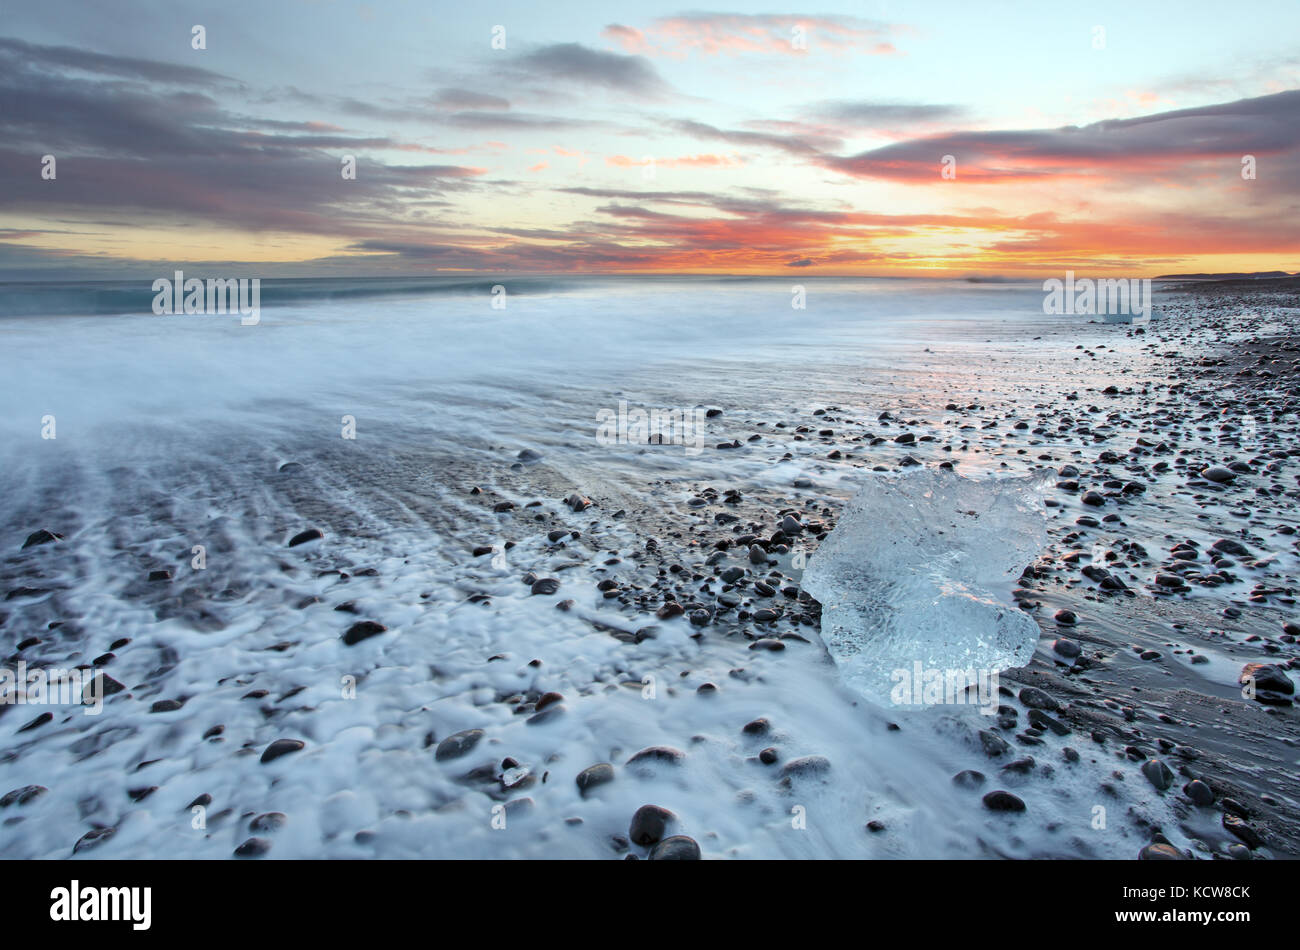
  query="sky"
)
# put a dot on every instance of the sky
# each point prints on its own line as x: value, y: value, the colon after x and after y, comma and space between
x: 889, y: 138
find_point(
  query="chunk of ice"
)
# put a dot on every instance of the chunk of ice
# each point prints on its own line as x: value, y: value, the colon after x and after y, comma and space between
x: 919, y: 569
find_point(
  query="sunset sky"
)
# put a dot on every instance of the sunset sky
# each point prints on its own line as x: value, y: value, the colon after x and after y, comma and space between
x: 642, y: 137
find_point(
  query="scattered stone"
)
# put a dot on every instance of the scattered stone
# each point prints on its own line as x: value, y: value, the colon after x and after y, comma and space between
x: 1003, y: 801
x: 281, y: 747
x: 458, y: 744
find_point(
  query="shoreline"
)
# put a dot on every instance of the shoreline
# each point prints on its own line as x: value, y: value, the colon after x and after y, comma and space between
x: 643, y: 588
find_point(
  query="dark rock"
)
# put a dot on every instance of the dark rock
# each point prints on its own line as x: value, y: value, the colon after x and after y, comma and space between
x: 21, y: 796
x: 676, y: 848
x: 1034, y: 697
x: 362, y: 630
x: 41, y: 537
x: 1267, y: 677
x: 1158, y: 774
x: 302, y: 537
x: 93, y: 839
x: 649, y: 824
x: 1161, y: 852
x: 281, y: 747
x: 461, y: 743
x: 806, y: 766
x: 658, y: 753
x: 1003, y: 801
x: 253, y: 848
x: 594, y: 776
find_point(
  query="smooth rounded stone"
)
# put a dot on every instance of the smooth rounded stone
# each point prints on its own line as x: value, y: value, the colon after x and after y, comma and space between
x: 41, y: 537
x: 1229, y: 546
x: 1095, y: 499
x: 1001, y: 800
x: 994, y: 745
x: 1022, y: 766
x: 269, y: 821
x: 790, y: 525
x: 160, y: 575
x: 593, y: 776
x: 1041, y: 720
x: 1069, y: 754
x: 700, y: 617
x: 732, y: 574
x: 362, y: 630
x: 93, y: 838
x: 302, y: 537
x: 166, y: 705
x: 806, y: 766
x: 1219, y: 474
x: 766, y: 615
x: 1244, y: 832
x: 1267, y: 677
x: 483, y: 549
x: 281, y: 747
x: 969, y: 778
x: 549, y: 714
x: 253, y: 848
x: 768, y: 643
x: 1158, y: 774
x: 545, y: 585
x: 458, y: 744
x: 1161, y: 852
x: 649, y: 824
x: 1199, y: 792
x: 1067, y: 648
x: 757, y: 555
x: 658, y: 753
x: 529, y: 455
x: 757, y: 727
x: 670, y: 610
x: 676, y: 848
x: 547, y: 699
x: 769, y: 756
x: 1066, y: 618
x: 23, y: 795
x: 1034, y: 697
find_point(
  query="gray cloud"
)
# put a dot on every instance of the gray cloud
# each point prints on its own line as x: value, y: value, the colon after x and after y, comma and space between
x: 582, y: 66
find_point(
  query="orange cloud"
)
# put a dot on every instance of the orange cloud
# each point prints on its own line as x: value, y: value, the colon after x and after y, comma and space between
x: 685, y: 161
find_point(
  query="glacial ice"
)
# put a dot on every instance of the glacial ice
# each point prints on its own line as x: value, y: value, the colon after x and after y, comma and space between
x: 919, y: 570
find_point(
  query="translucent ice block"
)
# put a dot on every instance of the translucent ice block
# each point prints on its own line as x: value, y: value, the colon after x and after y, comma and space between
x: 919, y: 569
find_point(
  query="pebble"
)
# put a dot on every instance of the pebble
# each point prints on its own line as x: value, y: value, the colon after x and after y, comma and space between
x: 1000, y: 800
x: 593, y: 776
x: 281, y: 747
x: 458, y: 744
x: 676, y: 848
x: 649, y: 824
